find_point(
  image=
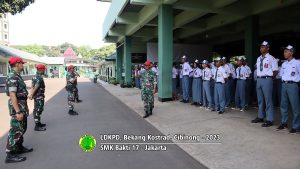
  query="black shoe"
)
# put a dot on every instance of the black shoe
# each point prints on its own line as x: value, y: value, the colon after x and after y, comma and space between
x: 213, y: 109
x: 42, y: 124
x: 294, y: 131
x: 78, y: 101
x: 13, y: 158
x: 72, y: 113
x: 282, y: 126
x: 23, y: 149
x: 150, y: 113
x: 39, y: 128
x: 146, y: 115
x: 267, y: 124
x: 183, y: 101
x: 220, y: 112
x: 257, y: 120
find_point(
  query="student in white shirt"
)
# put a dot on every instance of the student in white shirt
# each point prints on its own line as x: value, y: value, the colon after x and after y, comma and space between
x: 267, y: 68
x: 290, y: 72
x: 206, y: 78
x: 240, y: 93
x: 220, y: 77
x: 186, y: 69
x: 174, y: 81
x: 197, y: 85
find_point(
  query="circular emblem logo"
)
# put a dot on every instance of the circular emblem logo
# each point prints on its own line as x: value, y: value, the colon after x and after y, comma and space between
x: 87, y: 143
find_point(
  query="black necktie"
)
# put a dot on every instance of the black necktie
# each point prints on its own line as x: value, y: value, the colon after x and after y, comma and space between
x: 240, y: 72
x: 216, y: 74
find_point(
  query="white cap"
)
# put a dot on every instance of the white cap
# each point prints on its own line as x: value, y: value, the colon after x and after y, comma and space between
x: 184, y: 57
x: 223, y: 58
x: 291, y: 48
x: 241, y: 58
x: 217, y: 59
x: 205, y: 62
x: 196, y: 61
x: 265, y: 43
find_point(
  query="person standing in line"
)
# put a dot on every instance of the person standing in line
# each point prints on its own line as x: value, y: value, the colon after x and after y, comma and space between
x: 267, y: 69
x: 290, y: 88
x: 240, y: 93
x: 174, y: 81
x: 197, y: 85
x: 207, y: 77
x: 220, y: 76
x: 186, y: 69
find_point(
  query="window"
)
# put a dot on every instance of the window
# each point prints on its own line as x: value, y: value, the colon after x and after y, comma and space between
x: 5, y: 36
x: 4, y: 16
x: 5, y: 26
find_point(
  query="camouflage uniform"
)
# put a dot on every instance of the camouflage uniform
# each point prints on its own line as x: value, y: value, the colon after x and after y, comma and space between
x: 15, y: 83
x: 39, y: 97
x: 76, y: 93
x: 71, y: 88
x: 148, y: 78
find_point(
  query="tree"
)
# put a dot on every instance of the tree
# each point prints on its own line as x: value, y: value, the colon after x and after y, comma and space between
x: 63, y: 47
x: 34, y: 49
x: 14, y: 6
x: 85, y: 51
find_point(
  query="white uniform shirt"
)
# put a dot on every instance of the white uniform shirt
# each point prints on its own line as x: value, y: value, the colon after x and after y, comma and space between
x: 220, y: 74
x: 279, y: 74
x: 207, y: 74
x: 249, y: 71
x: 174, y: 73
x: 269, y: 65
x: 197, y: 73
x: 290, y: 71
x: 180, y: 73
x: 232, y: 69
x: 242, y: 73
x: 154, y: 69
x: 186, y: 69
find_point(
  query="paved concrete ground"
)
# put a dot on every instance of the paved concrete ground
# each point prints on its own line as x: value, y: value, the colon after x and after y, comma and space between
x: 99, y: 113
x: 244, y: 145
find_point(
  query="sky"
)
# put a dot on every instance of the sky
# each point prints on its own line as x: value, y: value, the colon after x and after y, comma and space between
x: 53, y: 22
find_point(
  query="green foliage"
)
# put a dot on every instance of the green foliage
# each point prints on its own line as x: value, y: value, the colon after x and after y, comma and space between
x: 85, y: 51
x: 34, y: 49
x: 14, y: 6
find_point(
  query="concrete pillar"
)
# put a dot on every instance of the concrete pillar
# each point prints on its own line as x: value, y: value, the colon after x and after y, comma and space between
x: 127, y: 60
x: 165, y: 52
x: 251, y: 39
x: 119, y: 64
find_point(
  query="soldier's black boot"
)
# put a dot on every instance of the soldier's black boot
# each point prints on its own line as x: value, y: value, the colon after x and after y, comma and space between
x: 13, y: 158
x: 22, y: 150
x: 42, y: 125
x: 78, y: 100
x: 150, y: 113
x: 73, y: 113
x: 38, y: 127
x: 146, y: 115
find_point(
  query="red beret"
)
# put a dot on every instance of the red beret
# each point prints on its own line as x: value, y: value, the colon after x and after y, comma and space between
x: 14, y: 60
x: 71, y: 67
x: 147, y: 63
x: 41, y: 66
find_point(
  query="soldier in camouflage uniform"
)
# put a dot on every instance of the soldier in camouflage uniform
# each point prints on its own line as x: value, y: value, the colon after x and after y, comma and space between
x: 38, y: 93
x: 77, y: 100
x: 148, y: 78
x: 71, y: 88
x: 18, y: 110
